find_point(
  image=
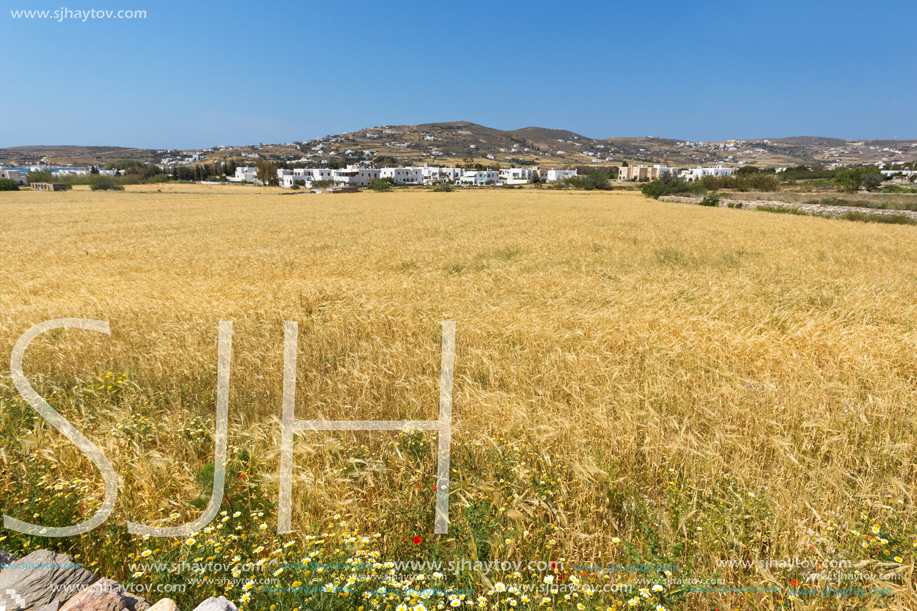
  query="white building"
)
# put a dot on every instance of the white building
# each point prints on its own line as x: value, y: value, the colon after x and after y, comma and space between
x: 433, y: 174
x: 905, y: 173
x: 517, y: 176
x: 356, y: 176
x: 71, y: 172
x: 245, y: 174
x: 644, y: 172
x: 403, y: 176
x: 480, y: 177
x: 304, y: 176
x: 697, y: 173
x: 555, y: 175
x: 14, y: 175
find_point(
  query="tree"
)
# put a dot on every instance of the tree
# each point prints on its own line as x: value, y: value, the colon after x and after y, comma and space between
x: 7, y: 184
x: 848, y: 180
x: 851, y: 180
x: 266, y: 172
x: 872, y: 180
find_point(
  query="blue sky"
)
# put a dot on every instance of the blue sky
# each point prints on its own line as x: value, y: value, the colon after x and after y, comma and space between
x: 204, y: 73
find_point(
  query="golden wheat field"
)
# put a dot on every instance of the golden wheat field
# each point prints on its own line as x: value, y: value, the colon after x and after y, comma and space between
x: 722, y: 401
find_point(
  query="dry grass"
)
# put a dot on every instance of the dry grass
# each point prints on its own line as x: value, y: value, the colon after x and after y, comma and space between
x: 706, y: 384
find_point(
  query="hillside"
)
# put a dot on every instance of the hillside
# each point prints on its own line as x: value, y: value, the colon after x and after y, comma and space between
x: 452, y: 142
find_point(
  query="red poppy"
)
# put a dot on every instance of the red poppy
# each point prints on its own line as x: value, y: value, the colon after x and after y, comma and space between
x: 795, y: 582
x: 418, y: 486
x: 418, y: 540
x: 432, y: 487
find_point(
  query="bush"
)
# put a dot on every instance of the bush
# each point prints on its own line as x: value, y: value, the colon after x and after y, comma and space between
x: 760, y: 182
x: 105, y: 183
x: 891, y: 219
x: 669, y: 184
x: 712, y: 200
x: 39, y: 176
x: 756, y: 181
x: 781, y: 210
x: 379, y: 185
x: 7, y: 184
x: 592, y: 181
x: 444, y: 187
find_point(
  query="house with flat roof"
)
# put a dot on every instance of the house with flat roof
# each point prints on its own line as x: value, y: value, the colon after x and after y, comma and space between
x: 49, y: 186
x: 639, y: 173
x: 14, y: 175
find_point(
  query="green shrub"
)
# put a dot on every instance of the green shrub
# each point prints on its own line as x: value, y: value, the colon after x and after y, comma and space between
x: 760, y: 182
x: 444, y: 187
x: 669, y: 184
x: 7, y: 184
x: 780, y: 210
x: 380, y: 185
x: 592, y: 181
x: 105, y: 183
x: 712, y: 200
x: 890, y: 219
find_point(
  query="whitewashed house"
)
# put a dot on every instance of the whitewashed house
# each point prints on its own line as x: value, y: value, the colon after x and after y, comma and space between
x: 403, y: 176
x: 644, y: 172
x: 434, y: 174
x: 244, y: 174
x: 517, y: 176
x: 699, y: 172
x: 555, y: 175
x: 14, y: 175
x: 356, y: 176
x: 480, y: 177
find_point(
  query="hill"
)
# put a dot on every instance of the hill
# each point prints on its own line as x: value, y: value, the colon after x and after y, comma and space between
x: 453, y: 142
